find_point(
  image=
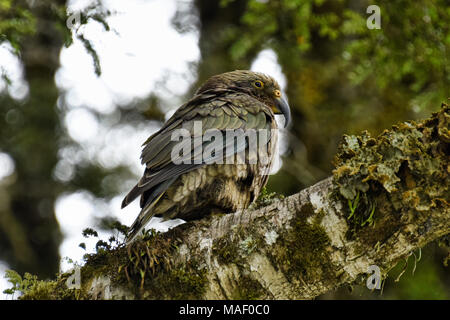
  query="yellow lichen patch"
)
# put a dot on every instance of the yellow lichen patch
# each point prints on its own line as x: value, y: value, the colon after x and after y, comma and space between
x: 408, y: 166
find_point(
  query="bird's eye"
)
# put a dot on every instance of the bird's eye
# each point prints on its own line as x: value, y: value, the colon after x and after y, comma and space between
x: 258, y: 84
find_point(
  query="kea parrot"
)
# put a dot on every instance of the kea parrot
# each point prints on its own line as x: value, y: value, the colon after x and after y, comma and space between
x: 193, y: 185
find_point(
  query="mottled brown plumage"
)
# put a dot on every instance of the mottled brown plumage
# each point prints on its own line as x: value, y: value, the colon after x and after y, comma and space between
x: 234, y: 100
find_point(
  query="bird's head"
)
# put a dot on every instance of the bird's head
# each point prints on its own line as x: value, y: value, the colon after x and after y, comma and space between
x: 256, y: 84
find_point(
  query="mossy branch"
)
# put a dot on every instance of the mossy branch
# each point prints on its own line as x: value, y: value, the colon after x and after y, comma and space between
x: 388, y: 196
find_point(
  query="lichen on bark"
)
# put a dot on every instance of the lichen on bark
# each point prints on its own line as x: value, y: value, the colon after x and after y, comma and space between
x: 404, y: 170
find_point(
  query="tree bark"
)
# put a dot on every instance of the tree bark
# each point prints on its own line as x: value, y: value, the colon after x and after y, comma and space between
x: 387, y: 197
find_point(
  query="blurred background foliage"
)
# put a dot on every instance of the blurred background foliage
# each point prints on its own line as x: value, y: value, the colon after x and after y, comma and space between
x: 341, y: 77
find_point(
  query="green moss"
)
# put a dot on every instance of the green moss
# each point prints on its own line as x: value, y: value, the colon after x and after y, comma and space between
x: 265, y: 198
x: 248, y: 245
x: 31, y: 288
x: 231, y: 250
x: 145, y: 267
x: 183, y: 282
x: 302, y: 251
x: 361, y: 212
x: 225, y: 250
x: 248, y: 289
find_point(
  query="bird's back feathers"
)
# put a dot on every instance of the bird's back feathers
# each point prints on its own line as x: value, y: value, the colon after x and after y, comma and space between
x: 164, y: 182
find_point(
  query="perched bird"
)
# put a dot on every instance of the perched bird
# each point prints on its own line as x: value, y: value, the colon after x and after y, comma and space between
x: 200, y: 182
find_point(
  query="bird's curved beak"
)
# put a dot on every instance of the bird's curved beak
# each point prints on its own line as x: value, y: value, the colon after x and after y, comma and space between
x: 283, y: 107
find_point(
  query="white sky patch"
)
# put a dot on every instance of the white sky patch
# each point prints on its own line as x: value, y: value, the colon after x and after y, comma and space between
x: 133, y: 59
x: 11, y: 67
x: 76, y: 212
x: 107, y: 146
x: 4, y: 284
x: 81, y: 124
x: 6, y: 165
x: 122, y: 145
x: 129, y: 213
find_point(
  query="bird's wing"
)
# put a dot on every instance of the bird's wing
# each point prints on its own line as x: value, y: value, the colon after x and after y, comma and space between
x: 221, y: 112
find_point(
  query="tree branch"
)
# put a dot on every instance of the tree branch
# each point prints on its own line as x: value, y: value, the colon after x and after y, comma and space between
x: 388, y: 197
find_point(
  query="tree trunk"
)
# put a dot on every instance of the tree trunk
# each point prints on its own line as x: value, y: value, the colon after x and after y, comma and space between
x: 30, y: 234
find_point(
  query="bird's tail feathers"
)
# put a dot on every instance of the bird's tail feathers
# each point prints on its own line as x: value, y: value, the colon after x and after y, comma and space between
x: 133, y: 194
x: 144, y: 217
